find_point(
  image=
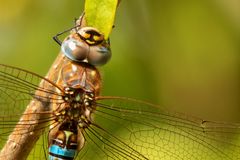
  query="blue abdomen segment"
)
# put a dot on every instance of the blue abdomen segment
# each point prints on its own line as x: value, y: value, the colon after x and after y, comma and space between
x: 56, y: 152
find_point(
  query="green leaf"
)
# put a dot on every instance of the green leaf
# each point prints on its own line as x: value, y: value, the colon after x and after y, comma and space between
x: 100, y: 14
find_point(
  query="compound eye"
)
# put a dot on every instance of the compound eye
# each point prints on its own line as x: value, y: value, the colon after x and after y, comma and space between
x: 75, y: 50
x: 99, y: 55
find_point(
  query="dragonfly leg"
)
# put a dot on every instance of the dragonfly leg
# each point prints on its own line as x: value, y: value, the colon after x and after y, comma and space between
x: 56, y: 39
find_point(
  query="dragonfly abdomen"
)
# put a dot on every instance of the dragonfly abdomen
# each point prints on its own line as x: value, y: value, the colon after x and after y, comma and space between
x: 58, y: 153
x: 63, y: 146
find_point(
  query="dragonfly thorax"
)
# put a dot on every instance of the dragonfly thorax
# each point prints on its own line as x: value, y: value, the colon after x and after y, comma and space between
x: 78, y: 107
x: 78, y: 96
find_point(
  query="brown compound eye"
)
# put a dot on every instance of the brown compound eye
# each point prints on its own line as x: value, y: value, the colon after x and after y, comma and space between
x: 99, y: 55
x: 74, y: 49
x: 91, y: 36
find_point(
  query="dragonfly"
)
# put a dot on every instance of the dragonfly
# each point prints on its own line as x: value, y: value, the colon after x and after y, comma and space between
x: 64, y: 116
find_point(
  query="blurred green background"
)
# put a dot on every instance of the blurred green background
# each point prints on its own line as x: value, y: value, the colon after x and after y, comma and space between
x: 184, y: 55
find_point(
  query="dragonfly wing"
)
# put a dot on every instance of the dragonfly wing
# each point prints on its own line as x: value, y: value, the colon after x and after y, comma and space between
x: 125, y: 128
x: 21, y: 89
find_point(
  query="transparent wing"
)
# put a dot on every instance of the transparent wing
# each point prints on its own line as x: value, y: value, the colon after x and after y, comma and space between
x: 129, y: 129
x: 40, y: 150
x: 122, y: 129
x: 20, y: 89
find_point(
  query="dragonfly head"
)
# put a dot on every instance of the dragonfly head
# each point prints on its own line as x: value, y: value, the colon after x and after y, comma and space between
x: 87, y: 44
